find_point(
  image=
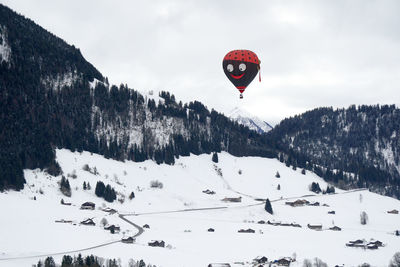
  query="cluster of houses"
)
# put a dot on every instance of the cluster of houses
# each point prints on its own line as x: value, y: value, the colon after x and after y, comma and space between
x: 260, y: 261
x: 303, y: 202
x: 372, y: 244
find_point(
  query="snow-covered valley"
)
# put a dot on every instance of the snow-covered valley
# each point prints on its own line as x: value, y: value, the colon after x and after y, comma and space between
x: 175, y: 214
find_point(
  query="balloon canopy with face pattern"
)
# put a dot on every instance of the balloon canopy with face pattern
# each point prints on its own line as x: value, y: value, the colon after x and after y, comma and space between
x: 241, y: 66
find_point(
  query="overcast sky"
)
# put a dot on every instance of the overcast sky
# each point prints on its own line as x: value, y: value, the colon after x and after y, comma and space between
x: 313, y: 53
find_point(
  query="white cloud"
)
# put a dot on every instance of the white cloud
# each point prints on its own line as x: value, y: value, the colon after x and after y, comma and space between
x: 313, y: 53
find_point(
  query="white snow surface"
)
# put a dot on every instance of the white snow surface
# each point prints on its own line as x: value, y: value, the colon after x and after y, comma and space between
x: 5, y: 49
x: 245, y: 118
x: 61, y: 80
x: 28, y: 228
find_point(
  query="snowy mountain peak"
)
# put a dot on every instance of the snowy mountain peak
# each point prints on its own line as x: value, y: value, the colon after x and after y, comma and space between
x: 249, y: 120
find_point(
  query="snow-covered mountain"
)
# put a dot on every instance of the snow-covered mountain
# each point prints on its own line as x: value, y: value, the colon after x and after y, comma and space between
x: 249, y: 120
x: 180, y: 214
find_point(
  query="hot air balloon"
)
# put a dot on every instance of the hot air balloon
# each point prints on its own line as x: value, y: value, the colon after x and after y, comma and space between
x: 241, y: 66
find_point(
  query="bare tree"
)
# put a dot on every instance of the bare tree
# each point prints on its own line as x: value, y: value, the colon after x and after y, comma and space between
x: 104, y: 222
x: 319, y: 263
x: 363, y: 218
x: 395, y: 262
x: 307, y: 263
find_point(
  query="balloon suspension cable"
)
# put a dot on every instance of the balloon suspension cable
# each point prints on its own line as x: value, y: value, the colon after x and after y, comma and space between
x: 241, y: 96
x: 259, y: 74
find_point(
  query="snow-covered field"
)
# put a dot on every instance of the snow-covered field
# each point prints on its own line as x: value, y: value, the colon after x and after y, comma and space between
x: 28, y: 228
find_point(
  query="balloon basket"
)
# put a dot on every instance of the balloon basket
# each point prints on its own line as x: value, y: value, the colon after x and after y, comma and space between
x: 241, y: 96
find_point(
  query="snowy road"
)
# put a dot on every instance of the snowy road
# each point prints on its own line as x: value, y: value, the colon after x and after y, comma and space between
x: 40, y: 256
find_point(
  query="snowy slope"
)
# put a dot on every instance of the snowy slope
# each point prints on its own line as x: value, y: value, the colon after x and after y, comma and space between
x: 249, y: 120
x: 30, y: 229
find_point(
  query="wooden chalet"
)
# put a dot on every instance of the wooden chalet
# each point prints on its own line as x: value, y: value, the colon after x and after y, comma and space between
x: 88, y: 206
x: 313, y: 204
x: 65, y: 203
x: 393, y: 212
x: 146, y: 226
x: 260, y: 259
x: 88, y: 222
x: 261, y: 222
x: 128, y: 240
x: 208, y: 192
x: 110, y: 210
x: 62, y: 221
x: 232, y: 199
x: 210, y: 230
x: 297, y: 203
x: 335, y: 228
x: 112, y: 228
x: 356, y: 243
x: 283, y: 262
x: 317, y: 227
x: 157, y: 243
x: 331, y: 212
x: 247, y: 231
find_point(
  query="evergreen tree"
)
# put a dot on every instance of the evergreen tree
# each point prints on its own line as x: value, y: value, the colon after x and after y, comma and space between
x: 132, y: 195
x: 277, y: 175
x: 65, y: 188
x: 88, y: 186
x: 279, y: 187
x: 215, y: 157
x: 314, y: 187
x: 100, y: 188
x: 49, y: 262
x: 268, y: 207
x: 303, y: 171
x: 84, y: 186
x: 66, y: 261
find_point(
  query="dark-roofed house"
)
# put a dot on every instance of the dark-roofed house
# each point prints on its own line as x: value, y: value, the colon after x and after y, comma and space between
x: 219, y: 265
x: 246, y: 231
x: 356, y: 243
x: 283, y: 262
x: 261, y: 222
x: 393, y: 212
x: 146, y: 226
x: 297, y: 203
x: 232, y: 199
x: 109, y: 210
x: 317, y: 227
x: 331, y: 212
x: 260, y: 259
x: 209, y: 192
x: 335, y: 228
x: 211, y: 230
x: 88, y: 206
x: 313, y: 204
x: 157, y: 243
x: 128, y: 240
x: 112, y: 228
x: 88, y: 222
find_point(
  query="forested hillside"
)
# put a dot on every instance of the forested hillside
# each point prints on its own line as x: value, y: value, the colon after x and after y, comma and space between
x: 50, y: 96
x: 354, y: 147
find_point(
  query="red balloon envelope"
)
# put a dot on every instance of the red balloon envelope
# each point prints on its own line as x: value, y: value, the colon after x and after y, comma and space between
x: 241, y: 66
